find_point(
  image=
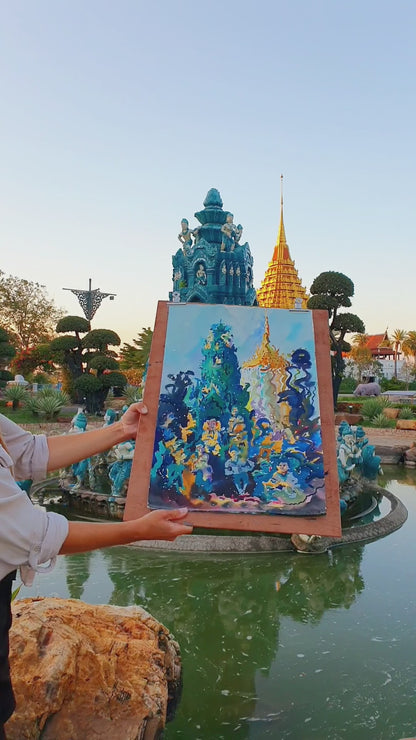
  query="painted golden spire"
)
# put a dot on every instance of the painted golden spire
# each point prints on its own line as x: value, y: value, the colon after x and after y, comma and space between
x: 266, y: 356
x: 281, y: 286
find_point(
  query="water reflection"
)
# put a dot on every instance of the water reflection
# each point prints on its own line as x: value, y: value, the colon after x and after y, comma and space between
x: 226, y: 612
x: 77, y: 573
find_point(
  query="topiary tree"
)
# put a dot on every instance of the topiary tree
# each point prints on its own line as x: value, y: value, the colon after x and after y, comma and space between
x: 89, y: 365
x: 332, y: 291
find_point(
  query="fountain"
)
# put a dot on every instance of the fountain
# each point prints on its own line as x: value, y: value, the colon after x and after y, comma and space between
x: 98, y: 487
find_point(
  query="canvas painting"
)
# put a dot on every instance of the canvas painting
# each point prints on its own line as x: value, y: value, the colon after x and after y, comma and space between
x: 238, y: 427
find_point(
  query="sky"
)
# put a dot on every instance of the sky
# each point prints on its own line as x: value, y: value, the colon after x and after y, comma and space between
x: 188, y: 331
x: 118, y: 117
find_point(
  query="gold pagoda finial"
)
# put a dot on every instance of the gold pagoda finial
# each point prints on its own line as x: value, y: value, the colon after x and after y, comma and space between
x: 281, y: 287
x: 281, y: 250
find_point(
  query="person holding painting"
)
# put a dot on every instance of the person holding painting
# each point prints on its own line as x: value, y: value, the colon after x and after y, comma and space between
x: 31, y: 538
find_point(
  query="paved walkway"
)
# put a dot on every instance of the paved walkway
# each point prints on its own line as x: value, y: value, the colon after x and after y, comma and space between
x: 391, y: 437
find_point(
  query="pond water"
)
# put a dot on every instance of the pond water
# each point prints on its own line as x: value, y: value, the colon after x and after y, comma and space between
x: 276, y: 645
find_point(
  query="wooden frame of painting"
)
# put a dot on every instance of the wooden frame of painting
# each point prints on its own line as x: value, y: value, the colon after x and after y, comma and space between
x: 240, y: 425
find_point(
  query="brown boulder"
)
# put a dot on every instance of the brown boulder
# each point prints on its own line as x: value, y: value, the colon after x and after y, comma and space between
x: 390, y: 412
x: 82, y: 671
x: 406, y: 424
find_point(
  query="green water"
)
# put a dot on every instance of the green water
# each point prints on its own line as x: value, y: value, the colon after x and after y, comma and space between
x: 276, y: 645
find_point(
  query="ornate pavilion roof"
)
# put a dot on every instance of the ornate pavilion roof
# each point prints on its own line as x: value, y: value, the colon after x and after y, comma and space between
x: 281, y: 285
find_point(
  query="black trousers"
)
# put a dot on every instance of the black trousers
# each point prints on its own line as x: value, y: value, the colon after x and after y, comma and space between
x: 7, y: 702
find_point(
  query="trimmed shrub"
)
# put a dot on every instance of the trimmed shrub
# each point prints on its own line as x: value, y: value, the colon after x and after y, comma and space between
x: 373, y: 407
x: 380, y: 420
x: 132, y: 394
x: 16, y: 394
x: 406, y: 412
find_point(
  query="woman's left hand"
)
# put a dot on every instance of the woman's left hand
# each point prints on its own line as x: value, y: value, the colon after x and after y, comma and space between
x: 129, y: 422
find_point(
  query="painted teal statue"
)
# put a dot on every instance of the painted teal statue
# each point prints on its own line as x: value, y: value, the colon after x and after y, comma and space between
x: 211, y: 266
x: 356, y: 462
x: 119, y: 471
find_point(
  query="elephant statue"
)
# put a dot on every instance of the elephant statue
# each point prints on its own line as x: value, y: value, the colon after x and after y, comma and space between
x: 367, y: 389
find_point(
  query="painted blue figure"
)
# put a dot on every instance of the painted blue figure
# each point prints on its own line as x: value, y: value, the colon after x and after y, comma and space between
x: 78, y: 423
x: 370, y: 466
x: 119, y: 471
x: 110, y: 417
x: 81, y: 472
x: 348, y: 452
x: 239, y: 469
x: 80, y: 469
x: 355, y: 454
x: 25, y: 485
x: 299, y: 391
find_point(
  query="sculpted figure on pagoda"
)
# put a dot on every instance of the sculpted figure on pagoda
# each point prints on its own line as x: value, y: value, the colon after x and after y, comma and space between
x: 185, y: 235
x: 212, y: 266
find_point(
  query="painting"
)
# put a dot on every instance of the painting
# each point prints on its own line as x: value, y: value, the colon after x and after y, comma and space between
x: 239, y: 424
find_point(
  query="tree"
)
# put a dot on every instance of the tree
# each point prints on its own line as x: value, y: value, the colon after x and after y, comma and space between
x: 7, y: 352
x: 28, y: 360
x: 398, y: 337
x: 332, y: 291
x: 90, y: 367
x: 409, y: 344
x: 26, y: 310
x: 363, y: 361
x: 134, y: 356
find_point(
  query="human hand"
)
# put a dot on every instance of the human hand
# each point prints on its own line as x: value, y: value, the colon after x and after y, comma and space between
x: 162, y: 524
x: 129, y: 422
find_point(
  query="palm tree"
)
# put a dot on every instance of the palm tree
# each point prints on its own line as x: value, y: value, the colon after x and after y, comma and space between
x: 398, y: 337
x: 360, y: 340
x: 409, y: 344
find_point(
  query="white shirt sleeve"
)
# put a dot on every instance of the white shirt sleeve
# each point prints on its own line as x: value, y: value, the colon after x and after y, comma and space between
x: 30, y: 537
x: 29, y: 452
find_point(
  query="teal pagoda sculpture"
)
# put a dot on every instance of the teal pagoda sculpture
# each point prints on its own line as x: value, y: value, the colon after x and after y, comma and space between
x: 211, y: 266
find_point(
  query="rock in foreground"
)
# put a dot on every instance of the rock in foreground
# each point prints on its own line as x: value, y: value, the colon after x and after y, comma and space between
x: 82, y: 671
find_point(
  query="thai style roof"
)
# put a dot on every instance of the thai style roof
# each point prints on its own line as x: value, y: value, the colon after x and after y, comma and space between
x: 375, y: 341
x: 380, y: 345
x: 281, y: 286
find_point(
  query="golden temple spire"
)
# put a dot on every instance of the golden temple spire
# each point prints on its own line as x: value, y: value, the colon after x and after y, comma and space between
x: 281, y: 250
x: 281, y: 286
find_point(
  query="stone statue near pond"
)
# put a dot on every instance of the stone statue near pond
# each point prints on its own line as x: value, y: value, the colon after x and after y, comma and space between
x: 107, y: 473
x: 356, y: 461
x: 119, y: 471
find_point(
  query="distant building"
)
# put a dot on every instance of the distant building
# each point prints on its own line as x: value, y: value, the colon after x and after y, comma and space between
x: 281, y: 287
x: 382, y: 351
x: 380, y: 346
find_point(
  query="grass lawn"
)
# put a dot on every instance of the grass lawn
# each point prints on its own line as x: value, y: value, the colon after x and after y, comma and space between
x: 23, y: 416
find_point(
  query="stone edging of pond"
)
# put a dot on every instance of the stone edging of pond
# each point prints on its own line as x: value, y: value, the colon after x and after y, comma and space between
x: 266, y: 543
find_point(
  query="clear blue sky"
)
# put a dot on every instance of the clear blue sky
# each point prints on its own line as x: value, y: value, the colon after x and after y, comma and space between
x: 117, y: 117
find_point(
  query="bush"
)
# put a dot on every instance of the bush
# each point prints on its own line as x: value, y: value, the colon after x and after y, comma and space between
x: 392, y: 384
x: 380, y: 420
x: 47, y: 403
x: 16, y: 394
x: 348, y: 385
x: 406, y: 412
x: 132, y: 394
x: 374, y: 407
